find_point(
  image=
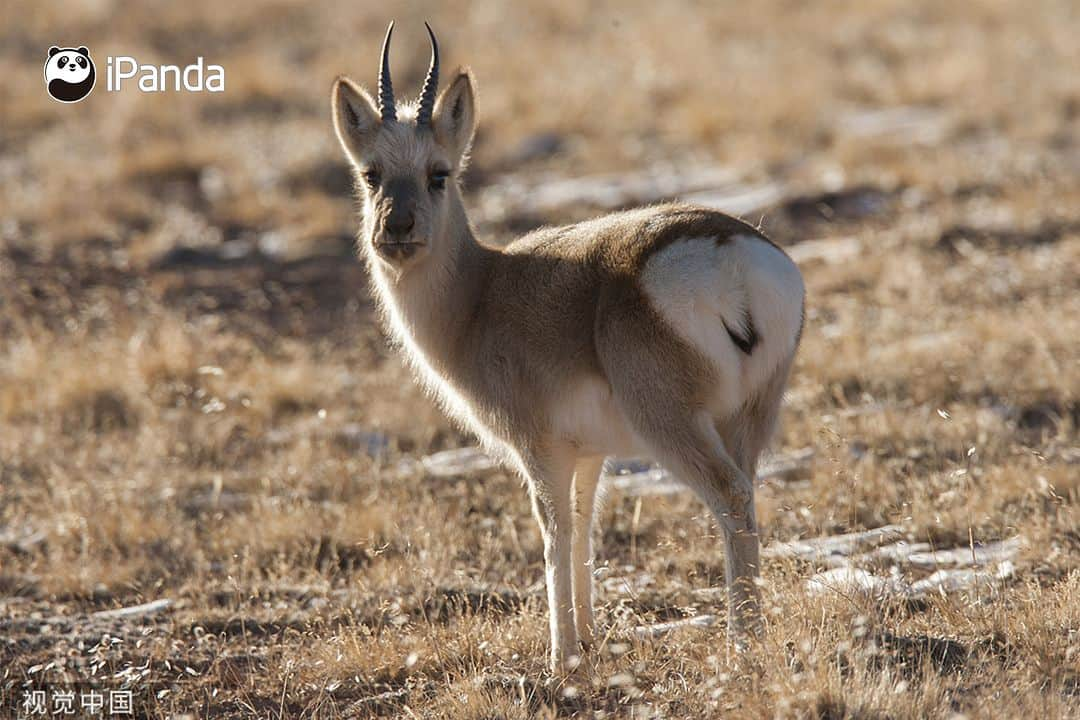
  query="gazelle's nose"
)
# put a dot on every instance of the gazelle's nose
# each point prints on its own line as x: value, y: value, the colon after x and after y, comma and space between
x: 400, y: 224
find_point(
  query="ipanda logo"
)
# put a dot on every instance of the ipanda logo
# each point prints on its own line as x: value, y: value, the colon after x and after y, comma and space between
x: 70, y: 75
x: 158, y: 78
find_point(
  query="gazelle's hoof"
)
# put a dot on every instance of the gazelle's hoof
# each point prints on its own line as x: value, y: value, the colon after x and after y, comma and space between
x: 564, y: 665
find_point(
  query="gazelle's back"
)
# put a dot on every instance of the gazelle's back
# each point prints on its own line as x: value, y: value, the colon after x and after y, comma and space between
x: 620, y: 242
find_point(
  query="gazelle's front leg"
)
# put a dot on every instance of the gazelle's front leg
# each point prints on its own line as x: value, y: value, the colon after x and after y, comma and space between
x: 550, y: 486
x: 586, y: 478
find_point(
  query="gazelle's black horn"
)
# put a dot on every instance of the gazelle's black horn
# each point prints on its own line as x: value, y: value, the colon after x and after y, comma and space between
x: 431, y: 83
x: 386, y: 87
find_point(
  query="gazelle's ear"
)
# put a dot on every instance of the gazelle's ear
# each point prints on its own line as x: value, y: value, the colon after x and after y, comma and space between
x: 454, y: 119
x: 356, y: 120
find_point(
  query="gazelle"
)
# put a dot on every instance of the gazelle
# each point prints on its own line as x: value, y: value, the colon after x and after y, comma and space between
x: 665, y: 331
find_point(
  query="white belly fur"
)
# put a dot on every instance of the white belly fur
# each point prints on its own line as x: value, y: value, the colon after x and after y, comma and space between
x: 589, y: 417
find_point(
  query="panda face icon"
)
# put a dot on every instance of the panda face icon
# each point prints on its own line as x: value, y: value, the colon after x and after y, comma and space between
x: 69, y: 74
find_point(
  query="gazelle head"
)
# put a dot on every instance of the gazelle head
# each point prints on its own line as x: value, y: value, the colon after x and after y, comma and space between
x: 407, y: 159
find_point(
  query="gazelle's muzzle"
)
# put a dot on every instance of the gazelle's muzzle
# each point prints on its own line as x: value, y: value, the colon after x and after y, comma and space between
x: 398, y: 237
x: 397, y: 251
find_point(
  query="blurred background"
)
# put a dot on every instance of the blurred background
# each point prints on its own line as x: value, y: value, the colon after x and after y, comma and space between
x: 196, y: 403
x: 931, y: 95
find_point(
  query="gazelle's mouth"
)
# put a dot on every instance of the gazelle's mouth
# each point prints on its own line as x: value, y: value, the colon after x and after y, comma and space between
x: 397, y: 251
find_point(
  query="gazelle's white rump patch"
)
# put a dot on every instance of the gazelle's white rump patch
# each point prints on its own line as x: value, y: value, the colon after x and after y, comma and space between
x: 704, y: 287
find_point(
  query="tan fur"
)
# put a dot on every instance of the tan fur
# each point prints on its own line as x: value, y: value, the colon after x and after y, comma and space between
x: 552, y: 352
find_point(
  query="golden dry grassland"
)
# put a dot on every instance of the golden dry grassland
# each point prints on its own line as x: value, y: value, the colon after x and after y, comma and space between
x: 196, y: 404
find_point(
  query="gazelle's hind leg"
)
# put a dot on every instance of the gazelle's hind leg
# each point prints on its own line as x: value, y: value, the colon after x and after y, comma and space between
x: 586, y: 478
x: 702, y: 461
x: 688, y: 445
x: 660, y: 385
x: 746, y: 435
x: 741, y: 551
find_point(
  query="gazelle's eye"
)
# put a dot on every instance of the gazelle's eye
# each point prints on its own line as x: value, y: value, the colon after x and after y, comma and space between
x: 371, y: 177
x: 437, y: 181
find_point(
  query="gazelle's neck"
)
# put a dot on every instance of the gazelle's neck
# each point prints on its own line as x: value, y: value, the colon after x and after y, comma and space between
x: 429, y: 306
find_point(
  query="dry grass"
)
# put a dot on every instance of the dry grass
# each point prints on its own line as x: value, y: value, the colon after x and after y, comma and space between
x: 234, y: 434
